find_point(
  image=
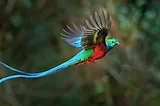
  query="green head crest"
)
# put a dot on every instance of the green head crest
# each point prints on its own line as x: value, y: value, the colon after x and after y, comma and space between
x: 111, y: 42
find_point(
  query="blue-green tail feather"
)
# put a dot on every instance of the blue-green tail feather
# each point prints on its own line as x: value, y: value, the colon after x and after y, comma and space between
x: 15, y: 70
x: 72, y: 61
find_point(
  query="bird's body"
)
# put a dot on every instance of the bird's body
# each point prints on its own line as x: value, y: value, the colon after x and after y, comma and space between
x: 98, y: 52
x: 92, y: 40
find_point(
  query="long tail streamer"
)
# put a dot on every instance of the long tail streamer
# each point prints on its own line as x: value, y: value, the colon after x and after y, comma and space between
x: 23, y: 74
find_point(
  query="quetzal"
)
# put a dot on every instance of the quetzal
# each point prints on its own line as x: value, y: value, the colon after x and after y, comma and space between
x: 92, y: 39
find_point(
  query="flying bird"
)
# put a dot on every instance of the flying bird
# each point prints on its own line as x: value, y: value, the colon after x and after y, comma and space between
x: 90, y: 37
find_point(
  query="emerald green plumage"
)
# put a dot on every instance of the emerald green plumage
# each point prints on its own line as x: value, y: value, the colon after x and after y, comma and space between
x: 87, y: 54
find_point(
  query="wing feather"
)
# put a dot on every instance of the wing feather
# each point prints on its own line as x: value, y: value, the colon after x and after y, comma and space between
x: 74, y: 36
x: 97, y: 19
x: 94, y: 36
x: 94, y: 33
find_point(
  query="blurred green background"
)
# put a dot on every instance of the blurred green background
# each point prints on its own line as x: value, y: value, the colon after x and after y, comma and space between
x: 30, y: 40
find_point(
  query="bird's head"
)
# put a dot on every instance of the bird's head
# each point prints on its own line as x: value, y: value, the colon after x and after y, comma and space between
x: 111, y: 42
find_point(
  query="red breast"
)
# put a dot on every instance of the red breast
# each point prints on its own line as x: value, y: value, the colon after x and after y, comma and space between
x: 99, y: 52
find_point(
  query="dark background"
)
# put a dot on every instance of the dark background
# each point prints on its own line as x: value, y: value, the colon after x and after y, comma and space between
x: 30, y: 40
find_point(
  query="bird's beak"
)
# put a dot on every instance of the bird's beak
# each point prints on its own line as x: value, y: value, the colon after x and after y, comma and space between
x: 118, y: 43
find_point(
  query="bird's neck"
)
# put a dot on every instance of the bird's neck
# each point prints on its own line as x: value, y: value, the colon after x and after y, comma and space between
x: 108, y: 47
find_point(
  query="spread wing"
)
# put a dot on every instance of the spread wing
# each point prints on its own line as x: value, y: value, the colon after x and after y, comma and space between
x: 73, y: 36
x: 95, y: 33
